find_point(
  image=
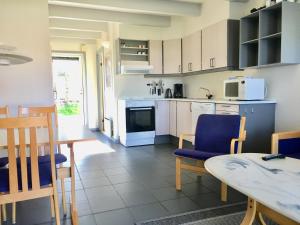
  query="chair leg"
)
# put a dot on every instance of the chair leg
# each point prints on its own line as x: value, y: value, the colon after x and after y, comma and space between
x: 4, y: 212
x: 63, y: 190
x: 224, y: 192
x: 14, y: 212
x: 178, y: 174
x: 52, y: 207
x: 0, y: 215
x: 56, y: 207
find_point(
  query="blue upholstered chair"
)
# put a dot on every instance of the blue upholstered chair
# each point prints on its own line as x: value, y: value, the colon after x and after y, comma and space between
x: 287, y: 143
x: 215, y: 135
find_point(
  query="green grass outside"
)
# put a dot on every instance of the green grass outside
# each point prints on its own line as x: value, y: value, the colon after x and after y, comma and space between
x: 69, y: 109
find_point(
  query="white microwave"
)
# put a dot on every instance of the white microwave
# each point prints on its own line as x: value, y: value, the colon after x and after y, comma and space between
x: 243, y: 88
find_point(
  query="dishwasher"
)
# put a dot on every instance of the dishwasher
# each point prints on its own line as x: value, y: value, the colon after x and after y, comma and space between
x: 198, y: 109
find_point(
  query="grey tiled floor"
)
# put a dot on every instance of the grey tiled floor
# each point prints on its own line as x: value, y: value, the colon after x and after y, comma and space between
x: 119, y: 186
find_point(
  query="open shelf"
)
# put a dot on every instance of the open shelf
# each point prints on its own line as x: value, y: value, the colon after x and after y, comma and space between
x: 249, y: 55
x: 133, y: 54
x: 270, y: 51
x: 271, y: 21
x: 250, y: 28
x: 135, y: 48
x: 276, y: 35
x: 250, y: 42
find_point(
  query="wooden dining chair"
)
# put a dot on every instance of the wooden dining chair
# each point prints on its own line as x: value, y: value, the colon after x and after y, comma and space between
x: 215, y: 135
x: 4, y: 112
x: 59, y: 158
x: 26, y: 178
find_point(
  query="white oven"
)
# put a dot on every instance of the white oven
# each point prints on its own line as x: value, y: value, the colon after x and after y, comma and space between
x: 136, y: 122
x: 244, y: 88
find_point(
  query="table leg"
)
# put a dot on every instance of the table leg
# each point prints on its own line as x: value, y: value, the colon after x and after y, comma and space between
x: 74, y: 214
x: 250, y: 213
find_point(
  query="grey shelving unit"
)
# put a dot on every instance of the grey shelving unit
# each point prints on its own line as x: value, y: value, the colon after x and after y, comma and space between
x: 134, y: 50
x: 271, y: 36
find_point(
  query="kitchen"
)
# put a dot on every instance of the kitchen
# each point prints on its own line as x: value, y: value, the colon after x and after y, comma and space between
x: 199, y: 59
x: 151, y: 70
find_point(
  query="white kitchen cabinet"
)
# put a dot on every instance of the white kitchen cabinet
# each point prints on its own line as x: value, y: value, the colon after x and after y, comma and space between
x: 219, y: 45
x: 173, y: 118
x: 172, y: 56
x: 184, y: 119
x: 162, y: 112
x: 155, y: 56
x: 191, y: 53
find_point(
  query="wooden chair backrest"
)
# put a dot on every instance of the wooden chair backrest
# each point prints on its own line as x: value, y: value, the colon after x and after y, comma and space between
x: 4, y: 111
x: 39, y: 111
x: 20, y: 126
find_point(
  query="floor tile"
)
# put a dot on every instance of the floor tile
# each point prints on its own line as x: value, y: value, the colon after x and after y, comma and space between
x: 138, y: 198
x: 129, y: 187
x: 95, y: 182
x: 121, y: 178
x: 115, y: 217
x: 149, y: 211
x: 180, y: 205
x: 166, y: 193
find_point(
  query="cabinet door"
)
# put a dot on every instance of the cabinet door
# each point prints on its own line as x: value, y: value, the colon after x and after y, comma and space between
x: 191, y: 53
x: 215, y: 46
x: 162, y: 111
x: 220, y: 58
x: 184, y: 118
x: 172, y: 56
x: 155, y: 56
x: 208, y: 46
x: 173, y: 118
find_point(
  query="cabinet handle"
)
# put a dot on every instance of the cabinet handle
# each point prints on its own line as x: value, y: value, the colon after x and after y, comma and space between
x: 179, y: 68
x: 191, y: 107
x: 213, y: 62
x: 210, y: 62
x: 191, y: 68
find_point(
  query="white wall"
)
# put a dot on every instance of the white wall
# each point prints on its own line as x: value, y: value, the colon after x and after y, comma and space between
x: 24, y: 24
x: 283, y: 82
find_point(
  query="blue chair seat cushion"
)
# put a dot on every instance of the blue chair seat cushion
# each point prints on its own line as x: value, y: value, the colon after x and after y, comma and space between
x: 195, y: 154
x: 3, y: 161
x: 59, y: 158
x: 44, y: 173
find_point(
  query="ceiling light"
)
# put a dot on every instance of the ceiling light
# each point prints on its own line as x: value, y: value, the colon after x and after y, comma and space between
x: 7, y: 58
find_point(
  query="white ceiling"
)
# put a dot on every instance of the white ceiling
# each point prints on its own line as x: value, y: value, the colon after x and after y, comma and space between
x: 87, y: 19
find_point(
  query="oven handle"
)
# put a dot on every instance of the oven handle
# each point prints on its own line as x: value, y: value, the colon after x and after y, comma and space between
x: 139, y: 109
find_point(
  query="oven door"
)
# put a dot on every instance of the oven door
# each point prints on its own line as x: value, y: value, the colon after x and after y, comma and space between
x: 140, y: 119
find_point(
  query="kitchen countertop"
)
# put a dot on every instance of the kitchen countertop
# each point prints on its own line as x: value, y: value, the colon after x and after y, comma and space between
x: 203, y: 100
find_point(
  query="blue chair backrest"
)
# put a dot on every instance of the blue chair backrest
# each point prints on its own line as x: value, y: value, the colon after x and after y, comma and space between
x: 289, y: 146
x: 215, y: 132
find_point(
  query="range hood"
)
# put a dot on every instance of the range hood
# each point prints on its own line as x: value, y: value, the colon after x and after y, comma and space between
x: 8, y: 58
x: 126, y: 69
x: 135, y: 67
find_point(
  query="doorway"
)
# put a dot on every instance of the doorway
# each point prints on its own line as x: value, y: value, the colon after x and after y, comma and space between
x: 69, y: 87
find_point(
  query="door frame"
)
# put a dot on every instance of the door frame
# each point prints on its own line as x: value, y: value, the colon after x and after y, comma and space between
x: 82, y: 59
x: 100, y: 81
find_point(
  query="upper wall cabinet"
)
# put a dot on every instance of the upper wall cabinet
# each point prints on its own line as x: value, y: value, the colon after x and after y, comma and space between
x: 172, y: 56
x: 155, y: 56
x: 271, y: 36
x: 220, y: 45
x: 191, y: 53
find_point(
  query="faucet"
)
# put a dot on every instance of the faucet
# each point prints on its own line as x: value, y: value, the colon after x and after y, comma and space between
x: 208, y: 95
